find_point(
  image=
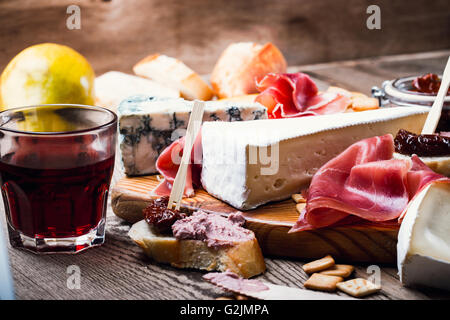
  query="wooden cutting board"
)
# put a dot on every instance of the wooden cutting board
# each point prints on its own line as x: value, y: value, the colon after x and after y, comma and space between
x: 271, y: 224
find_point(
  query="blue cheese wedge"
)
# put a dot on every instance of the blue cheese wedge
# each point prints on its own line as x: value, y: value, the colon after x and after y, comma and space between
x: 148, y: 125
x: 423, y: 247
x: 249, y: 164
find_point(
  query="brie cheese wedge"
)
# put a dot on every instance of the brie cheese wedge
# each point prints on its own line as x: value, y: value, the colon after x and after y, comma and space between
x: 423, y: 248
x: 251, y: 163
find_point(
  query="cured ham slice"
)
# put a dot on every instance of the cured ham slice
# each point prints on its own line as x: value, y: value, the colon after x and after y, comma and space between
x: 420, y: 176
x: 291, y: 95
x: 363, y: 184
x: 169, y: 162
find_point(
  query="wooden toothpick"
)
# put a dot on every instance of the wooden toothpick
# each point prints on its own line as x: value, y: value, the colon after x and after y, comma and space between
x: 194, y: 125
x: 435, y: 112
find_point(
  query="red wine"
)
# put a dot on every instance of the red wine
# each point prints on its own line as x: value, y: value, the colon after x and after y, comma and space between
x: 56, y: 203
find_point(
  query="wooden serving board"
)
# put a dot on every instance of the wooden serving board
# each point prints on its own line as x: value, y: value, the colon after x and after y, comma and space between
x: 271, y: 224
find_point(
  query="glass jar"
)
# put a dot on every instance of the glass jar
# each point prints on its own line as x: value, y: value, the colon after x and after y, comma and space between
x: 399, y: 93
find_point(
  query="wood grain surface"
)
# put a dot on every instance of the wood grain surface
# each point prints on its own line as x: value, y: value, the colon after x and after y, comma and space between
x: 115, y: 34
x: 119, y: 270
x: 271, y: 224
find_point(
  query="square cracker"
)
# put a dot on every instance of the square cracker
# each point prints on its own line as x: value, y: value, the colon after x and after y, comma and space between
x: 364, y: 103
x: 339, y: 270
x: 298, y: 198
x: 319, y: 265
x: 358, y: 287
x: 322, y: 282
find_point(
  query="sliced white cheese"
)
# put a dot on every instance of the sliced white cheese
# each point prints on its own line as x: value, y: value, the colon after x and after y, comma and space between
x: 112, y: 87
x: 238, y: 167
x: 423, y: 248
x: 437, y: 164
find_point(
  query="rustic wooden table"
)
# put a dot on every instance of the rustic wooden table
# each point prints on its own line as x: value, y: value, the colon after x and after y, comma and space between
x: 119, y: 270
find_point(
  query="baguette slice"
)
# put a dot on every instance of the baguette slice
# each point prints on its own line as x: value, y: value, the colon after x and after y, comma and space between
x: 244, y: 258
x: 112, y: 87
x: 437, y: 164
x: 242, y: 64
x: 175, y: 74
x: 248, y: 98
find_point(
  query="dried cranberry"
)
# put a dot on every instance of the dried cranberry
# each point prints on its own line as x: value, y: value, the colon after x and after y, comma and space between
x: 162, y: 218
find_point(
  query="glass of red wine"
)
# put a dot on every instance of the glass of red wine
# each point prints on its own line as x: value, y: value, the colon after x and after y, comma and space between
x: 56, y: 164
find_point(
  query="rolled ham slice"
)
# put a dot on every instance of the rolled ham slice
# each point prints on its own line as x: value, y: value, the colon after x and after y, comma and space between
x: 169, y: 162
x: 364, y: 184
x: 291, y: 95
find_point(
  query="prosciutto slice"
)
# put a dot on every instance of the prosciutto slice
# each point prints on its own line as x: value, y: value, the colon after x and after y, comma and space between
x: 169, y: 162
x: 363, y: 185
x: 291, y: 95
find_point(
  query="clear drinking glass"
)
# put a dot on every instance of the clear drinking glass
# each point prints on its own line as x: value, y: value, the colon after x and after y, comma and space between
x: 56, y: 164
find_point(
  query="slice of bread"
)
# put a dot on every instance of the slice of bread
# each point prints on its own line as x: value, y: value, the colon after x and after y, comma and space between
x: 437, y: 164
x: 175, y: 74
x: 112, y: 87
x: 244, y: 258
x: 242, y: 64
x: 248, y: 98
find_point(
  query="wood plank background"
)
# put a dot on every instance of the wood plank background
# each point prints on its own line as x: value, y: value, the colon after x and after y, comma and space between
x: 116, y: 34
x: 119, y: 270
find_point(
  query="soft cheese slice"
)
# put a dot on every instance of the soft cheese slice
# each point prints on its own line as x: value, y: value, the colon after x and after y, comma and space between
x: 423, y: 248
x: 249, y: 164
x: 112, y: 87
x: 148, y: 125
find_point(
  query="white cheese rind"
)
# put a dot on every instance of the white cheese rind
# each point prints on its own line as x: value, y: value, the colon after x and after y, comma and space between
x: 304, y: 145
x: 423, y: 248
x: 112, y: 87
x: 147, y: 125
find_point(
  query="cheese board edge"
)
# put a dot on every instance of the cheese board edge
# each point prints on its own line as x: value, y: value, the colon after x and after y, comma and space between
x: 364, y: 244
